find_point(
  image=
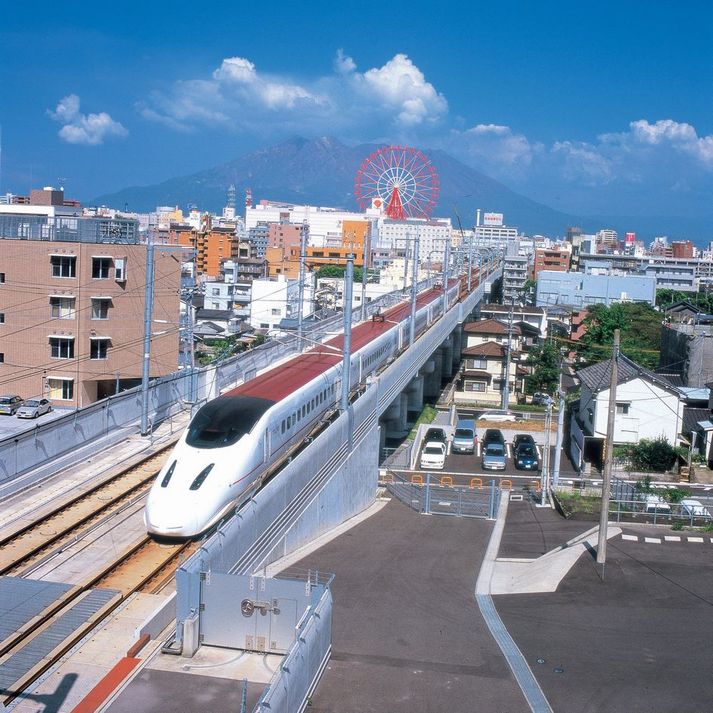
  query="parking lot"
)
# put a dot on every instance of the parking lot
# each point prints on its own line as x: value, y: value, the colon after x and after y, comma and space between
x: 12, y: 425
x: 463, y: 466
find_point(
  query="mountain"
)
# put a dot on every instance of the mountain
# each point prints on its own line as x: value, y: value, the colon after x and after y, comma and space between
x: 321, y: 172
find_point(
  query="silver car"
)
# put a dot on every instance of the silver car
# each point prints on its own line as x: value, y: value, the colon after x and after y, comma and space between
x: 494, y: 456
x: 33, y: 408
x: 10, y: 404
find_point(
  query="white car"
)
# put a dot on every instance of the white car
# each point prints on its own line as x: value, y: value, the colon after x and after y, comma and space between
x: 496, y: 416
x: 693, y: 508
x: 433, y: 455
x: 33, y: 408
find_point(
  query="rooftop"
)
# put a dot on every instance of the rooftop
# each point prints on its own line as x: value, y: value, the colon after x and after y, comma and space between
x: 597, y: 377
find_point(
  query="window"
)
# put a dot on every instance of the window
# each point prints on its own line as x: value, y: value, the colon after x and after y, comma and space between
x: 477, y: 364
x: 61, y: 389
x: 2, y: 278
x: 62, y: 308
x: 100, y: 268
x: 2, y: 318
x: 622, y: 409
x: 62, y: 347
x: 100, y: 308
x: 120, y: 269
x: 98, y: 348
x: 215, y: 290
x: 474, y: 386
x: 2, y: 357
x: 275, y: 312
x: 64, y: 265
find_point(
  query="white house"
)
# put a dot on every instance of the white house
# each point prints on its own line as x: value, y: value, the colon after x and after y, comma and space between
x: 278, y: 298
x: 647, y: 406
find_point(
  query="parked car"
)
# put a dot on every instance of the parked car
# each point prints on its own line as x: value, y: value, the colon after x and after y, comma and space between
x: 494, y: 457
x: 33, y: 408
x: 464, y: 436
x: 435, y: 434
x: 541, y: 399
x: 655, y: 504
x: 526, y: 457
x: 522, y: 439
x: 493, y: 435
x: 497, y: 415
x: 433, y: 455
x: 693, y: 508
x: 10, y: 404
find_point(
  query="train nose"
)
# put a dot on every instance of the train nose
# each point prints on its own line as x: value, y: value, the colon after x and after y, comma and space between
x: 164, y: 517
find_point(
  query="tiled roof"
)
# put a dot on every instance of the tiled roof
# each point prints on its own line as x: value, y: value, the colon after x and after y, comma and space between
x: 673, y: 379
x: 505, y: 309
x: 598, y: 376
x: 490, y: 326
x: 478, y: 374
x: 692, y: 416
x: 486, y: 349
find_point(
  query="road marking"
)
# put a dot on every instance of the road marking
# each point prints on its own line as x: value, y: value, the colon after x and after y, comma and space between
x: 672, y: 538
x: 695, y: 539
x: 633, y: 538
x: 653, y: 540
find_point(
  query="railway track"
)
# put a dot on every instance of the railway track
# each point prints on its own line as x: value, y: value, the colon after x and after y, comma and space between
x: 65, y: 522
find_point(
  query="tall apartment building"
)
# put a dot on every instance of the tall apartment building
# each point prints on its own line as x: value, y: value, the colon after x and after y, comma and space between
x: 72, y: 313
x: 212, y: 246
x: 515, y: 271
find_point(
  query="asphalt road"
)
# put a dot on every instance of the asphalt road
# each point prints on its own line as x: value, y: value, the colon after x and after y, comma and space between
x: 637, y: 641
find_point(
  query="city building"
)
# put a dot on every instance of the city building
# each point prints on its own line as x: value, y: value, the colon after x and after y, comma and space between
x: 553, y: 259
x: 77, y: 298
x: 576, y: 289
x: 687, y: 350
x: 515, y: 274
x: 534, y: 316
x: 275, y: 299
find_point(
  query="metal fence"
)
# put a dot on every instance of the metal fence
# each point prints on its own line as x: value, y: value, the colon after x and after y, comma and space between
x: 430, y: 497
x: 298, y: 674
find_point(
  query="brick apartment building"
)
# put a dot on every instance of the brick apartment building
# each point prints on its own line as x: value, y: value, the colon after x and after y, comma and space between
x: 72, y: 315
x: 557, y: 259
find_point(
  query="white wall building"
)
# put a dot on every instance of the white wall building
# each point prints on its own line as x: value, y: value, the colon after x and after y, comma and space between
x: 278, y: 298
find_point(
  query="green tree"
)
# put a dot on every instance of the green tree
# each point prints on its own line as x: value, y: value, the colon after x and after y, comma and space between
x: 655, y: 455
x: 545, y: 377
x: 640, y: 327
x: 338, y: 271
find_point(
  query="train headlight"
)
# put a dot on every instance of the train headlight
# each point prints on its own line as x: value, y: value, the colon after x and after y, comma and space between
x: 168, y: 475
x: 201, y: 477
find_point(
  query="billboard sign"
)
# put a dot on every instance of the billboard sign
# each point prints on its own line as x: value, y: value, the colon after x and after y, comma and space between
x: 492, y: 219
x: 630, y: 238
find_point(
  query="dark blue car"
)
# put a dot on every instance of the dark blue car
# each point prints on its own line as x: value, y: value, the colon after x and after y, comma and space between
x: 526, y: 457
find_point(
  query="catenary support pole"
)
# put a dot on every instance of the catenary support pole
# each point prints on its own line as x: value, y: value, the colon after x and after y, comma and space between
x: 301, y: 288
x: 414, y: 292
x: 148, y: 311
x: 346, y: 349
x: 608, y: 454
x: 446, y: 274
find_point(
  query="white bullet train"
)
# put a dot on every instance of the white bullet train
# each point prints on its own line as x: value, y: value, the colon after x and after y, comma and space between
x: 235, y: 440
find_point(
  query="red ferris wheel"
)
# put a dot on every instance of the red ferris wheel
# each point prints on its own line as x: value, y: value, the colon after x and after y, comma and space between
x: 399, y: 177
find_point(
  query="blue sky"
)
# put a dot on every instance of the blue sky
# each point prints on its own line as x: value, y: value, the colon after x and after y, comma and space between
x: 600, y: 107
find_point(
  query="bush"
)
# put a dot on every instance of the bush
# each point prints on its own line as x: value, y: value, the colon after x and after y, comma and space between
x: 653, y: 455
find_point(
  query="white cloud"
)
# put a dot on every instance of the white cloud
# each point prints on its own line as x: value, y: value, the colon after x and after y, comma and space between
x: 402, y: 85
x: 87, y: 129
x: 240, y: 96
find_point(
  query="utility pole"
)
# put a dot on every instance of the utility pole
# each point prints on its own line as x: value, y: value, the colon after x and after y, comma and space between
x: 414, y: 291
x: 560, y: 434
x: 608, y: 453
x: 346, y: 348
x: 301, y: 287
x: 506, y: 383
x: 148, y: 311
x: 544, y: 482
x: 446, y: 275
x: 406, y: 246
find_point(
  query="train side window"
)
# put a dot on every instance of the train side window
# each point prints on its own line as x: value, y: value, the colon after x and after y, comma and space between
x: 304, y: 411
x: 283, y: 425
